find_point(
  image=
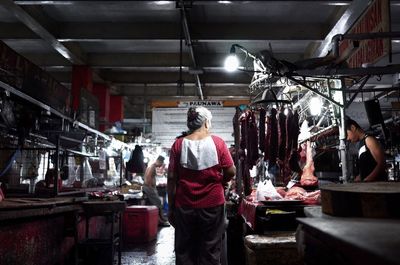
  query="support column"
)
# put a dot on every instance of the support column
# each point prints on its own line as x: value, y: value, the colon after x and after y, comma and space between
x: 116, y: 109
x: 102, y: 92
x: 82, y: 78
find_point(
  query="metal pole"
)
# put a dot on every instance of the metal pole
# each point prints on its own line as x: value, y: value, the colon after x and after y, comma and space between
x: 57, y: 166
x: 342, y: 137
x: 191, y: 50
x: 121, y: 167
x: 144, y: 108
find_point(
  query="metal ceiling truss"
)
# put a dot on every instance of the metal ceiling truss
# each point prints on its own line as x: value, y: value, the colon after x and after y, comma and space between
x: 189, y: 43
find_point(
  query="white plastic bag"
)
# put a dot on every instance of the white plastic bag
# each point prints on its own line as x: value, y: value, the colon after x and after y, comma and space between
x: 267, y: 191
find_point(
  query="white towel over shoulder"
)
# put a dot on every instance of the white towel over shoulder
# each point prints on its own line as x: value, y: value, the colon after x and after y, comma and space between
x: 199, y: 154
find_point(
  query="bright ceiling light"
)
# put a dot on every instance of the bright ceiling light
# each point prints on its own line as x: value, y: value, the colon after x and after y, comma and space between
x: 315, y: 106
x: 231, y: 63
x: 162, y: 3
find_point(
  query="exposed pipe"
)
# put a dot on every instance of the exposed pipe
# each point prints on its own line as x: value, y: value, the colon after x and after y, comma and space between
x: 191, y: 51
x: 360, y: 36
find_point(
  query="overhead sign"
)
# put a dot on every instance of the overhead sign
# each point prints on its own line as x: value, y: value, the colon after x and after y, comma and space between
x: 374, y: 19
x: 168, y: 123
x: 204, y: 103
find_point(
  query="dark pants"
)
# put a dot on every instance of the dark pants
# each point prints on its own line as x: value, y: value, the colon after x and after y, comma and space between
x: 198, y: 235
x: 154, y: 199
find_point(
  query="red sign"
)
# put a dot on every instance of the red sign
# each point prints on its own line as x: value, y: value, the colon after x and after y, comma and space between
x: 374, y: 19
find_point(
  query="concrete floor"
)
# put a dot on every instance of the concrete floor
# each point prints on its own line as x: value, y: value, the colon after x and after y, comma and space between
x: 157, y: 252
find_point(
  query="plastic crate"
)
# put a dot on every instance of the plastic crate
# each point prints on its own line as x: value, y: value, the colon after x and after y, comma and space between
x: 140, y: 224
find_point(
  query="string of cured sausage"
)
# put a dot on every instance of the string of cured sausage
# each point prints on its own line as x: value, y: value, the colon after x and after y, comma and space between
x: 261, y: 135
x: 273, y: 139
x: 275, y: 135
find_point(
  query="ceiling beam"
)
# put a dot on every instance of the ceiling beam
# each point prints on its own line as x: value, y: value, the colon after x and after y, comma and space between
x: 33, y: 24
x: 163, y: 77
x: 172, y: 3
x: 200, y: 32
x: 128, y: 60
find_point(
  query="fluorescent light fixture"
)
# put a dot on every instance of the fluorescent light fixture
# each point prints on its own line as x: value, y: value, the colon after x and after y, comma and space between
x: 225, y: 2
x: 161, y: 3
x: 315, y: 106
x: 231, y: 63
x: 338, y: 3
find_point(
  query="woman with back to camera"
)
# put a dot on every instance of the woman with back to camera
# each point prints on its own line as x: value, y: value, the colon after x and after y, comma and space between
x: 199, y: 166
x: 371, y: 158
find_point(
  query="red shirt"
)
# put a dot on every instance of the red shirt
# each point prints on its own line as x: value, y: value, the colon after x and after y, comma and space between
x: 200, y: 188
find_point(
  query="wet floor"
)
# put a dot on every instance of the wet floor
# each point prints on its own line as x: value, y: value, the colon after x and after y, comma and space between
x: 157, y: 252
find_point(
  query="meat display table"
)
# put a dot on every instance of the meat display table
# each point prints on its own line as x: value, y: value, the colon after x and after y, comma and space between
x: 258, y: 218
x: 335, y: 240
x: 365, y: 199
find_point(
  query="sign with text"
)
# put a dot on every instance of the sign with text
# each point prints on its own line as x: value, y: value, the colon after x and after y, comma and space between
x: 374, y: 19
x: 204, y: 103
x: 168, y: 123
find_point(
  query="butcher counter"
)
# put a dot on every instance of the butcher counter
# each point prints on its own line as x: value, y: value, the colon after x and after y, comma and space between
x: 46, y: 230
x: 348, y: 240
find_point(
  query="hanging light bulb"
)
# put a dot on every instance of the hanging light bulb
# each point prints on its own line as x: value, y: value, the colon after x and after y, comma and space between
x: 315, y: 106
x: 231, y: 63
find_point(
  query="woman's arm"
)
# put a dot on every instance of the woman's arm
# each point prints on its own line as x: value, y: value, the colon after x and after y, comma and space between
x: 379, y: 156
x: 229, y: 173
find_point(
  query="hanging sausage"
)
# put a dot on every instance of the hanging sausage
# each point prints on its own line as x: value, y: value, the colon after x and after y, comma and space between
x: 289, y: 132
x: 262, y: 129
x: 273, y: 141
x: 282, y: 135
x: 252, y: 139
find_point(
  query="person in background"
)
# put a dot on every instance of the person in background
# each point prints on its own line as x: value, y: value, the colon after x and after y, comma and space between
x: 371, y: 158
x: 200, y: 165
x: 135, y: 166
x: 150, y: 189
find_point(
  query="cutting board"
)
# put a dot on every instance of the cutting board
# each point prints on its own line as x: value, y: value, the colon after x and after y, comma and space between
x: 372, y: 200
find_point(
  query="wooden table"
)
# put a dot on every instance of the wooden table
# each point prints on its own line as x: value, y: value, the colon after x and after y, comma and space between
x: 335, y: 240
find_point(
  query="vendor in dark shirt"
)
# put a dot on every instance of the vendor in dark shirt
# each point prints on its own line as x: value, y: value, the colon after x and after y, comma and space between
x: 371, y: 158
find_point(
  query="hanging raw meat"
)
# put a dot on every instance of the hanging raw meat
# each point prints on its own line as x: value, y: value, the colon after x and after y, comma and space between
x: 243, y: 125
x: 273, y: 141
x: 282, y: 135
x: 294, y: 154
x: 295, y: 130
x: 267, y: 139
x: 307, y: 177
x: 289, y: 133
x: 262, y: 130
x: 252, y: 140
x: 294, y: 162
